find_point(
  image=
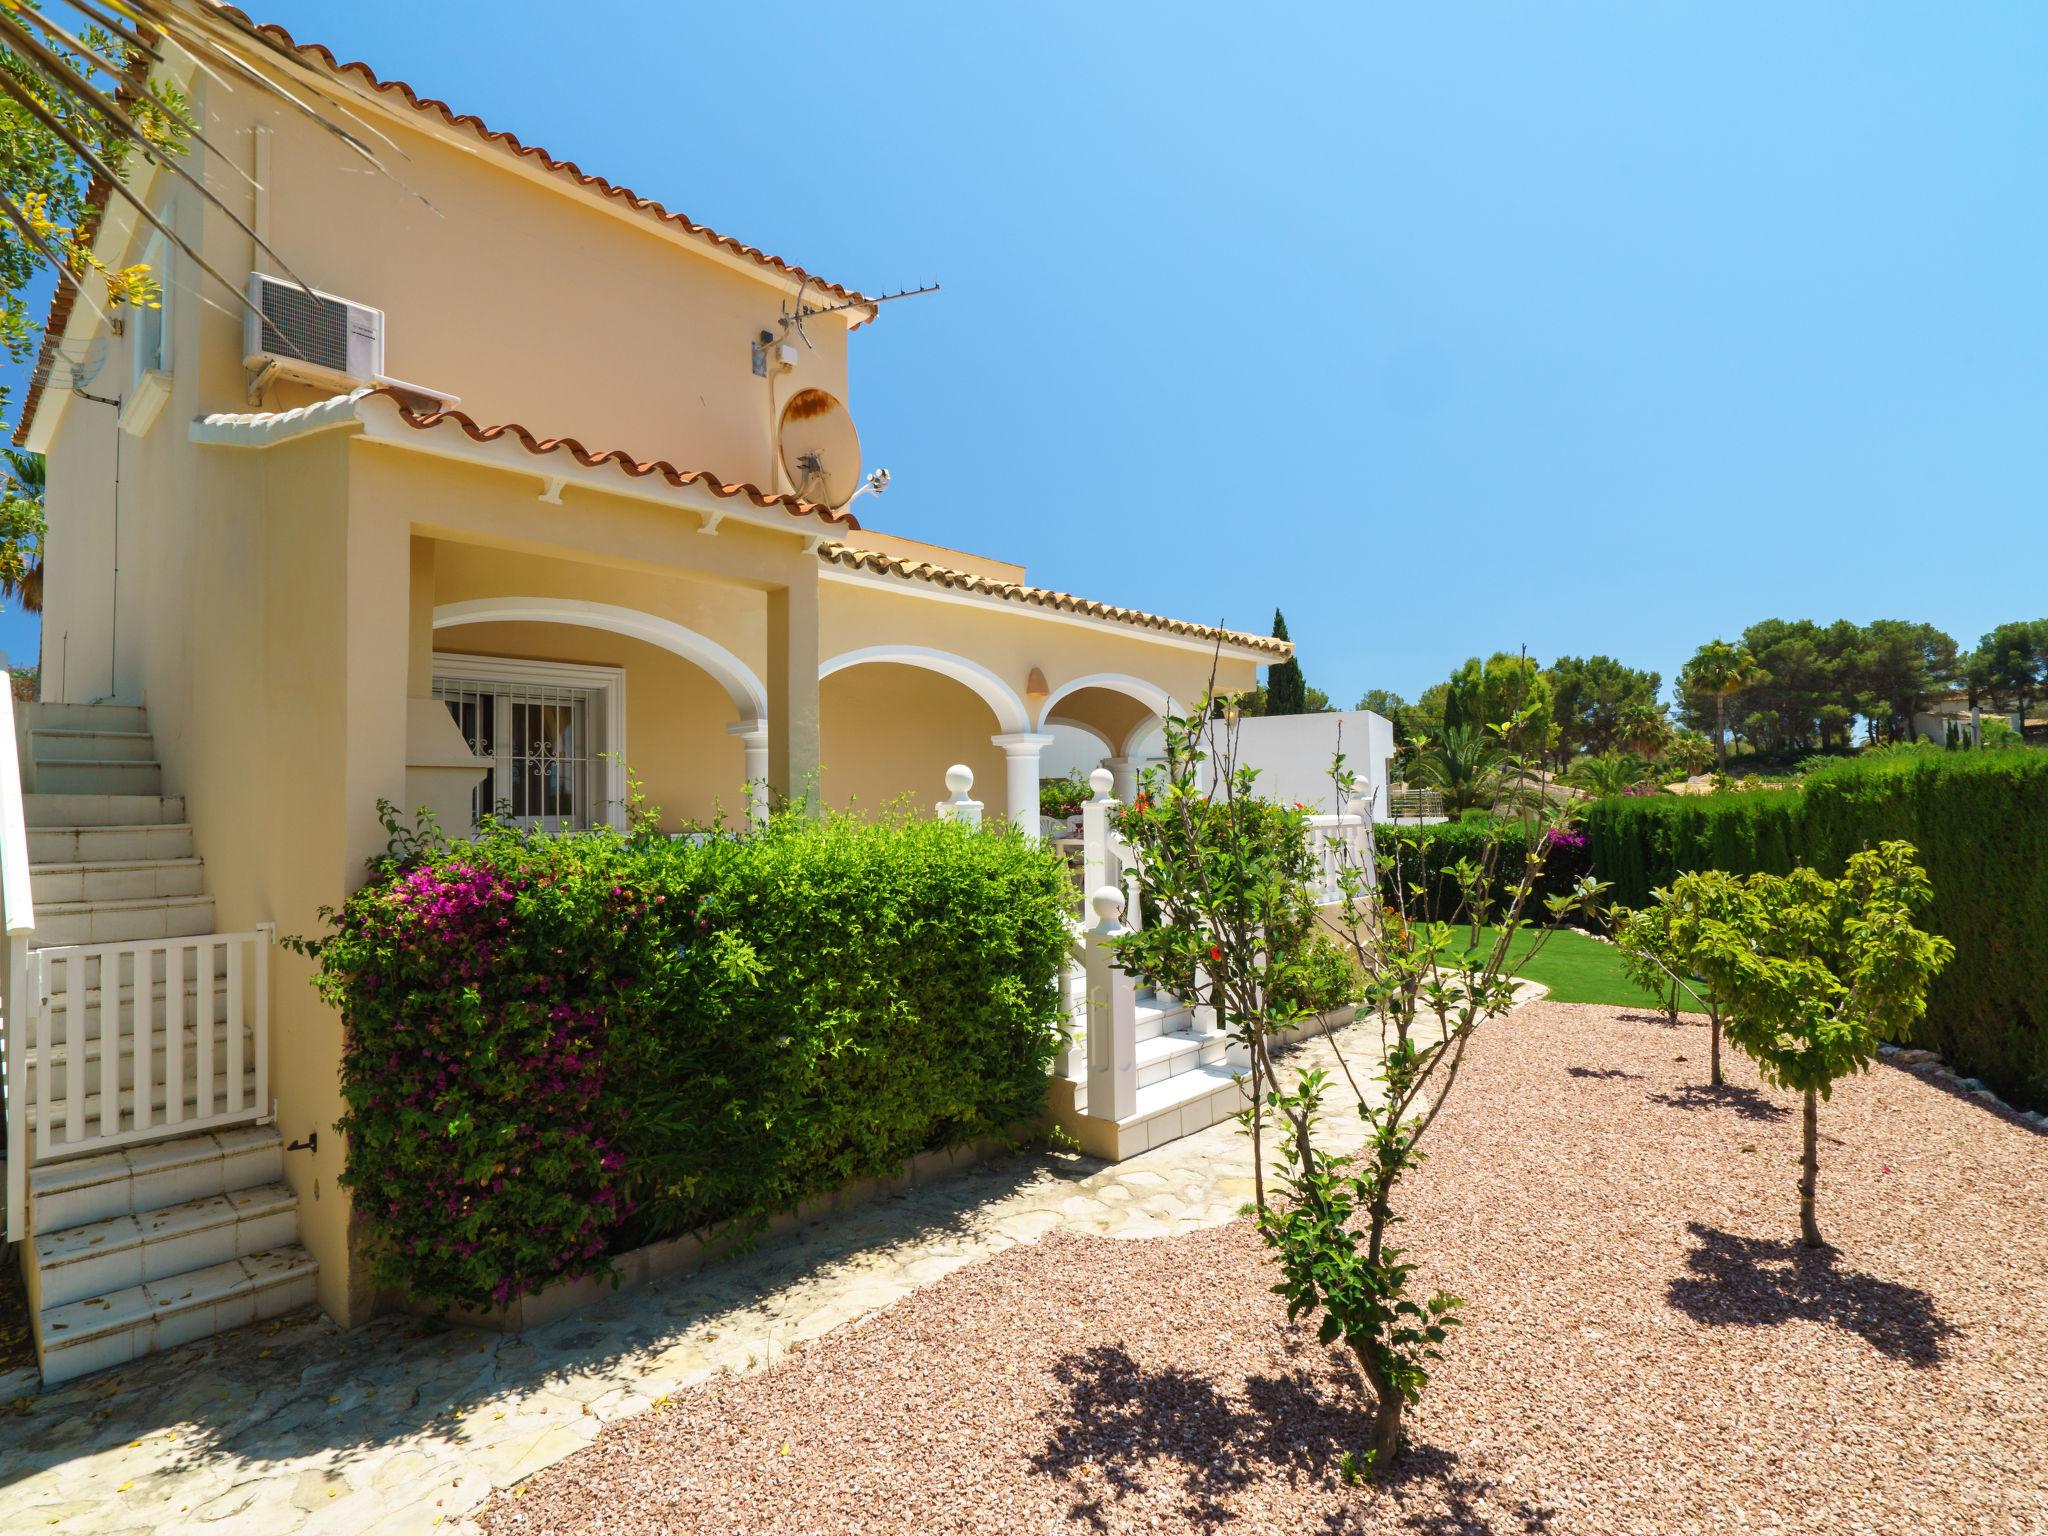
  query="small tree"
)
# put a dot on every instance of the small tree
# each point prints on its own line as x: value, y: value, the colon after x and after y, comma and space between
x: 1817, y: 972
x: 1219, y: 874
x: 1286, y: 690
x: 1660, y: 946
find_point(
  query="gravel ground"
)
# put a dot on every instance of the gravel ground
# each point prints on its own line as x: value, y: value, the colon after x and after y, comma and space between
x: 1647, y: 1349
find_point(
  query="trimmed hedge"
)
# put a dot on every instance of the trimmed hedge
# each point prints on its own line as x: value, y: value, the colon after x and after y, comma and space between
x: 1980, y: 823
x: 1411, y: 856
x: 560, y: 1047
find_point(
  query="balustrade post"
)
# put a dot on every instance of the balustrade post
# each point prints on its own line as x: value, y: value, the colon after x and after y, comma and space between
x: 959, y: 780
x: 1112, y: 1014
x: 1074, y: 1001
x: 1095, y: 831
x: 1202, y: 1012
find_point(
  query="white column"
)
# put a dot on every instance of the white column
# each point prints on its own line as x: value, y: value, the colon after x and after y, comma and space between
x: 1021, y: 748
x: 753, y: 735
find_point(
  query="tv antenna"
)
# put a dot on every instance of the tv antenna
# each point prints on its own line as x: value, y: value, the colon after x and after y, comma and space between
x: 794, y: 316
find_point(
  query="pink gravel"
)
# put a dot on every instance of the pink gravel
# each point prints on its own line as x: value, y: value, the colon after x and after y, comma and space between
x: 1647, y: 1349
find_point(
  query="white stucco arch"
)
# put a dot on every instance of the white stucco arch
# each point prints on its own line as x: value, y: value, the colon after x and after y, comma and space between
x: 746, y: 691
x: 1011, y: 715
x: 1151, y: 695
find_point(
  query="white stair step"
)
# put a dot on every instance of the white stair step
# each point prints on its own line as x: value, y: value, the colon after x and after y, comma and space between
x: 49, y: 809
x: 99, y: 776
x: 1163, y: 1056
x: 114, y: 880
x: 102, y: 1331
x: 85, y: 1008
x: 158, y: 1173
x: 105, y: 922
x: 124, y: 1251
x: 68, y: 745
x: 89, y: 845
x: 59, y: 1111
x: 85, y: 717
x: 92, y: 1064
x: 1156, y: 1017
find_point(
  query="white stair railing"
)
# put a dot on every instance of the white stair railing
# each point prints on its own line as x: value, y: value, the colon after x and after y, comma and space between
x: 1338, y: 843
x: 18, y: 916
x: 160, y: 1070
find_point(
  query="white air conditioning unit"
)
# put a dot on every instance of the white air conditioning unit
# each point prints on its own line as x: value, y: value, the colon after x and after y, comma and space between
x: 309, y: 335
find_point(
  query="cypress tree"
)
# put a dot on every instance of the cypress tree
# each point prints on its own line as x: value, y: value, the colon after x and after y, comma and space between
x: 1286, y: 692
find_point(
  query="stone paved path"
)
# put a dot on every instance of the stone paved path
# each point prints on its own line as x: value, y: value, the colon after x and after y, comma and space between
x: 405, y: 1425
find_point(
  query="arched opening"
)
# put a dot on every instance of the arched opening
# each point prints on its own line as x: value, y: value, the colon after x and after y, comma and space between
x: 1122, y: 712
x: 1077, y: 749
x: 892, y: 720
x: 570, y: 699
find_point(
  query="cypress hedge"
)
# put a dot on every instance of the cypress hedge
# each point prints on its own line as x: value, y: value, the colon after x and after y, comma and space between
x: 1415, y: 864
x: 1980, y: 823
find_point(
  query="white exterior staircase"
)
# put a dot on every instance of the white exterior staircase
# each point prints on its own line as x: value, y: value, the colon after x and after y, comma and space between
x: 145, y: 1183
x: 1186, y: 1082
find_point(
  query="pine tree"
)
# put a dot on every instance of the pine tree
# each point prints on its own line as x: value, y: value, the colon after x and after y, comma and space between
x: 1286, y: 692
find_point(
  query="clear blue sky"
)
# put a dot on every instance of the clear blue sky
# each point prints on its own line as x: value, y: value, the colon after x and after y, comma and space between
x: 1446, y: 329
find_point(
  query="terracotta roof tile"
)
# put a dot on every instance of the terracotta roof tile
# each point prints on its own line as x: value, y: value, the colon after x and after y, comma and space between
x: 1040, y: 597
x: 426, y: 421
x: 325, y: 56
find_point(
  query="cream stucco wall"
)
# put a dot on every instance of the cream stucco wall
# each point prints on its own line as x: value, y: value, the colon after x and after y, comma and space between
x: 891, y: 732
x: 277, y: 604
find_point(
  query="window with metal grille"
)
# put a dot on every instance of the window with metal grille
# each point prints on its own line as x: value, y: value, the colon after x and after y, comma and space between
x: 540, y: 738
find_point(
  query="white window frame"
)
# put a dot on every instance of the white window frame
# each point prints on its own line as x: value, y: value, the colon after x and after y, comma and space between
x: 607, y: 683
x: 149, y: 377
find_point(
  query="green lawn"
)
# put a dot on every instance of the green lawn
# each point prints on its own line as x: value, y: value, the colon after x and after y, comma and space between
x: 1577, y: 969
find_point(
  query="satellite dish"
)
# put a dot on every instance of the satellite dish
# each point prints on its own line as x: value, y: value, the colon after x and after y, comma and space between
x: 820, y: 449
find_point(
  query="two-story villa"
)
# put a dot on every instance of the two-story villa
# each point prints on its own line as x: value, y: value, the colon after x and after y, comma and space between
x: 514, y: 515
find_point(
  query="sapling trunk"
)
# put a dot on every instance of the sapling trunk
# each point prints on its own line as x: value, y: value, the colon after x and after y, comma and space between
x: 1809, y: 1171
x: 1714, y: 1047
x: 1386, y: 1415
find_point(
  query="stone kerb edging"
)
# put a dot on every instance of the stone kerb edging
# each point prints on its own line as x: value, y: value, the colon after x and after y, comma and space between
x: 691, y: 1252
x: 1910, y: 1056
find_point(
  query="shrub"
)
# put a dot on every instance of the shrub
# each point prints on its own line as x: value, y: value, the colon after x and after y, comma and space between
x: 1427, y: 856
x: 1060, y: 798
x: 1980, y: 823
x: 561, y: 1046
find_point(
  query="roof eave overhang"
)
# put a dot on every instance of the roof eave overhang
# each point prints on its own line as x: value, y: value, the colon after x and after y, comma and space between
x: 989, y: 601
x: 547, y: 473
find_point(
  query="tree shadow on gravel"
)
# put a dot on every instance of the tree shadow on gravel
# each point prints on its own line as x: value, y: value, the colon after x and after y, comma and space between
x: 1748, y: 1103
x: 1123, y: 1421
x: 1602, y: 1072
x: 1754, y: 1282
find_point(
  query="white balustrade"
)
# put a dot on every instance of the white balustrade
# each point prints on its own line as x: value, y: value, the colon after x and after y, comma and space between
x: 1338, y: 843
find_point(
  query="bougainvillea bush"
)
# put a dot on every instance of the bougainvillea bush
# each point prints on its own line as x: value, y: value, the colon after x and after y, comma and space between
x: 561, y: 1046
